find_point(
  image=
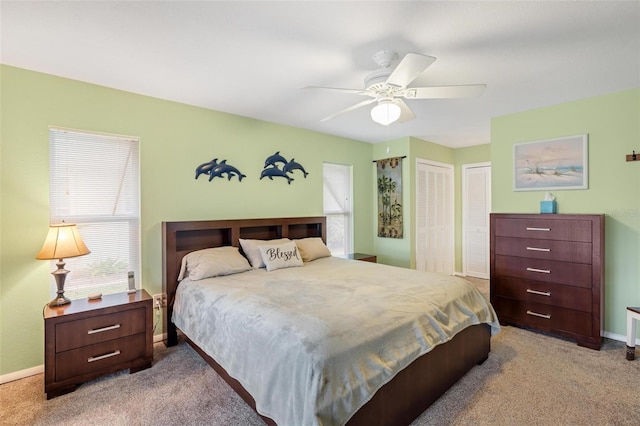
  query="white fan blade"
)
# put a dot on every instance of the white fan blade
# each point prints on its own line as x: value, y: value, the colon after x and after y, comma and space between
x: 351, y: 108
x: 405, y: 112
x: 340, y: 90
x: 444, y: 92
x: 411, y: 66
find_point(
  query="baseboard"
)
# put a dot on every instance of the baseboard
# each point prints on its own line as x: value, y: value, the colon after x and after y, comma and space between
x: 22, y: 374
x: 159, y: 338
x: 618, y: 337
x: 17, y: 375
x: 607, y: 334
x: 28, y: 372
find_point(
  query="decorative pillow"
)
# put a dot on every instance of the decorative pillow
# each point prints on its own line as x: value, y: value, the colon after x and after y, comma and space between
x: 278, y: 256
x: 213, y: 262
x: 312, y: 248
x: 250, y: 249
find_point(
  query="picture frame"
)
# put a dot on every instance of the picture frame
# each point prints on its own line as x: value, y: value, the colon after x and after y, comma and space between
x: 551, y: 164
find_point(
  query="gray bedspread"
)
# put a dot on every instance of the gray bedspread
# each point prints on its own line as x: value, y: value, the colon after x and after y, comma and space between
x: 312, y: 344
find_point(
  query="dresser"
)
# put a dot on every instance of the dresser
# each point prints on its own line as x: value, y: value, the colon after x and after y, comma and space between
x: 547, y: 273
x: 90, y: 338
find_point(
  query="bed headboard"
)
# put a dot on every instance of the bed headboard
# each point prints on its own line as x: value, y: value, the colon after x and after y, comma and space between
x: 180, y: 238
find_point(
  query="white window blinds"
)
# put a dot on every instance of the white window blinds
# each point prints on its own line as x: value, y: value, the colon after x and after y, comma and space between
x: 94, y: 183
x: 338, y: 207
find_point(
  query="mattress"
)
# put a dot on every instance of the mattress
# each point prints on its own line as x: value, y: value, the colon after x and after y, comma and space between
x: 312, y: 344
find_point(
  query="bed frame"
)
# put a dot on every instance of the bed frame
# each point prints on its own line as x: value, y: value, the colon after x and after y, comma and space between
x: 398, y: 402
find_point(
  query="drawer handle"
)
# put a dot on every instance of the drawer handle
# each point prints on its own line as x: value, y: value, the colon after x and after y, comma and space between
x: 542, y: 271
x: 539, y: 229
x: 538, y: 249
x: 541, y: 293
x: 98, y: 358
x: 535, y: 314
x: 100, y: 330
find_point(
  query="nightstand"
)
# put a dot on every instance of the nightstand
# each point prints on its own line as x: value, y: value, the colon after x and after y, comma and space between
x: 90, y: 338
x: 362, y: 256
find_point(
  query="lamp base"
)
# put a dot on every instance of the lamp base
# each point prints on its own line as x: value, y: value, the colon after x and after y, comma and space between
x: 60, y: 275
x: 59, y: 301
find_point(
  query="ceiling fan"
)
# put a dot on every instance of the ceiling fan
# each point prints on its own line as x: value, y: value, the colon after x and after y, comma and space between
x: 387, y: 86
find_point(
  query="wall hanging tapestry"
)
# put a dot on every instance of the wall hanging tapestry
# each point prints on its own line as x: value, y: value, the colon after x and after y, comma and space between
x: 390, y: 197
x: 214, y: 169
x: 272, y: 170
x: 551, y: 164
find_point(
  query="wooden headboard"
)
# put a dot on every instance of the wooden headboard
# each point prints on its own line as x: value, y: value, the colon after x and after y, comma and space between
x: 180, y: 238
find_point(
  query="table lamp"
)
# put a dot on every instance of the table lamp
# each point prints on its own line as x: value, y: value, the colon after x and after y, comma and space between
x: 63, y: 240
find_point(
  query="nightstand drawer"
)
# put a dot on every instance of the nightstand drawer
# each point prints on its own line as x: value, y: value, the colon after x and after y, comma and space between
x: 88, y: 331
x: 362, y: 256
x: 96, y: 357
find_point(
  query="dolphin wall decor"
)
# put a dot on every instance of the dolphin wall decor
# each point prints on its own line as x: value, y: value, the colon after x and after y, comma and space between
x: 272, y: 170
x: 214, y: 169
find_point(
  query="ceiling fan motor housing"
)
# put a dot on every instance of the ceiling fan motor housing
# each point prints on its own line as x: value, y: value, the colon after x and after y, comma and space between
x: 377, y: 79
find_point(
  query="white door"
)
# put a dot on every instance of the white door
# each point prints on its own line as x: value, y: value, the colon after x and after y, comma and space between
x: 476, y: 206
x: 434, y: 217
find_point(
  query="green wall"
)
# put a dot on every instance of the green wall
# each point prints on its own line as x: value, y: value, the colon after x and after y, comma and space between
x: 613, y: 125
x: 402, y: 252
x: 393, y: 251
x: 175, y: 138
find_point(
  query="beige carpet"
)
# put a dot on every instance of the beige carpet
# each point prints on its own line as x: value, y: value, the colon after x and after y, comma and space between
x: 529, y: 379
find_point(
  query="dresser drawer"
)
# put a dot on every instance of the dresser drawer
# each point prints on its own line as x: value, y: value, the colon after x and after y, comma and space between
x: 563, y: 296
x: 562, y: 251
x: 77, y: 362
x: 546, y: 229
x: 574, y: 274
x: 543, y: 317
x: 75, y: 334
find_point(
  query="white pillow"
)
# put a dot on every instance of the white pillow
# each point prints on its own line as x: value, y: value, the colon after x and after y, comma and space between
x: 312, y: 248
x: 213, y: 262
x: 278, y: 256
x: 250, y: 249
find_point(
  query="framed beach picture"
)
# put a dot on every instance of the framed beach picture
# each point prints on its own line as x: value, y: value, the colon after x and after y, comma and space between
x: 551, y: 164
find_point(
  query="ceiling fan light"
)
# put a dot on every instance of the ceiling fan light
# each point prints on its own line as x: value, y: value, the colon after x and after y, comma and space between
x: 385, y: 113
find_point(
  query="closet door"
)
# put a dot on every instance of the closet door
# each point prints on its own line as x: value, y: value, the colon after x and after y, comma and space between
x: 476, y: 206
x: 434, y: 217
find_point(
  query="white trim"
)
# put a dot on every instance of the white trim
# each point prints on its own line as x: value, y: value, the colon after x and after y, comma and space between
x: 434, y: 163
x: 618, y: 337
x: 91, y: 132
x: 157, y: 338
x: 21, y: 374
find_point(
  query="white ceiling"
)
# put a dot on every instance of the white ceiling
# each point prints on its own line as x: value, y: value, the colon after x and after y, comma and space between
x: 252, y: 58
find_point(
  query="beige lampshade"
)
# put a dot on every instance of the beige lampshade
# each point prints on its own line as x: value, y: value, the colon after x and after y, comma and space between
x: 63, y: 240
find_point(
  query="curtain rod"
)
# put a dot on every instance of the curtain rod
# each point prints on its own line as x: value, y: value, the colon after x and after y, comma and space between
x: 375, y: 161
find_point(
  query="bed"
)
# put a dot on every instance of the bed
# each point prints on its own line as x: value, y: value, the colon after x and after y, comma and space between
x: 400, y: 392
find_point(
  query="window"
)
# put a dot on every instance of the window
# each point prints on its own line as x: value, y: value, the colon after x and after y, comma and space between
x: 337, y: 207
x: 94, y: 183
